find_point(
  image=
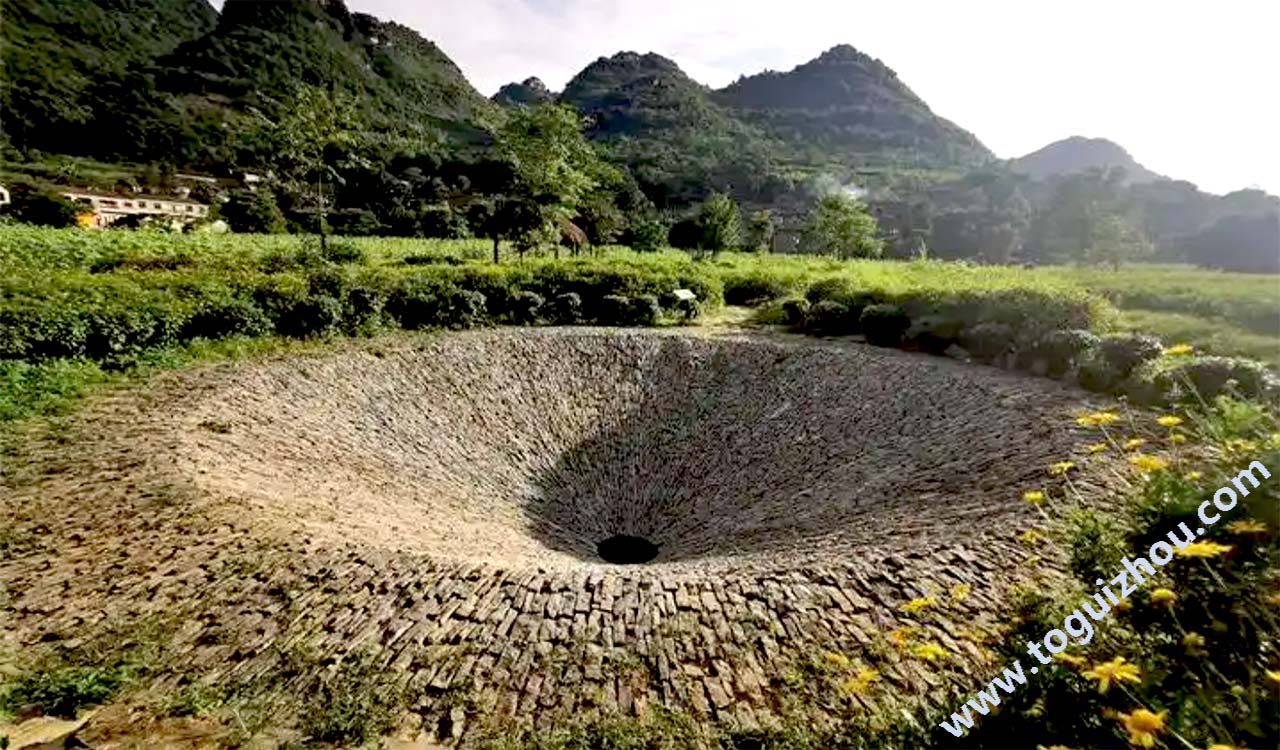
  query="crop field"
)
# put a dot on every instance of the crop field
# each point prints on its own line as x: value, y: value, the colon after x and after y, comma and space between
x: 390, y: 489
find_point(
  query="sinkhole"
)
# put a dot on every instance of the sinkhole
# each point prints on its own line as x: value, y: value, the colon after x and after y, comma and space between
x: 623, y: 549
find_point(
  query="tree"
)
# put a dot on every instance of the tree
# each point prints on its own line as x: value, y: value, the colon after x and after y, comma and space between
x: 253, y: 211
x: 1115, y: 239
x: 517, y: 219
x: 554, y: 168
x: 718, y: 224
x: 304, y: 145
x: 32, y: 205
x: 841, y: 226
x: 760, y: 232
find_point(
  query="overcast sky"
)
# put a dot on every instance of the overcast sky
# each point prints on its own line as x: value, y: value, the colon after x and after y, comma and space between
x: 1189, y: 88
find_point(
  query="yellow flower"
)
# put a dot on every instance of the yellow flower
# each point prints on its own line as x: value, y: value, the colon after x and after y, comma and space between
x: 1144, y: 462
x: 1163, y: 596
x: 1220, y: 746
x: 1059, y: 468
x: 919, y: 603
x: 1203, y: 549
x: 1237, y: 690
x: 1273, y: 598
x: 1075, y: 662
x: 960, y: 592
x: 1122, y: 606
x: 1116, y: 670
x: 1247, y: 526
x: 1030, y: 536
x: 1033, y: 496
x: 1134, y: 444
x: 1097, y: 419
x: 1096, y: 447
x: 1177, y: 438
x: 1193, y: 641
x: 1169, y: 421
x: 1178, y: 350
x: 1274, y: 440
x: 1274, y: 676
x: 1192, y: 476
x: 1143, y: 726
x: 901, y: 636
x: 929, y: 651
x: 835, y: 659
x: 858, y: 684
x: 1240, y: 445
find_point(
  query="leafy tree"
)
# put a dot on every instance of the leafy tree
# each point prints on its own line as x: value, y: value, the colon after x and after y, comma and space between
x: 718, y: 225
x: 42, y: 207
x: 841, y: 226
x: 253, y: 211
x: 1115, y: 239
x: 1238, y: 242
x: 513, y: 218
x: 304, y: 144
x: 600, y: 219
x: 760, y: 232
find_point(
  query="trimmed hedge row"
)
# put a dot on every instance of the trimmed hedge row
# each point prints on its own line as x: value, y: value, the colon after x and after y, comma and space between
x: 113, y: 317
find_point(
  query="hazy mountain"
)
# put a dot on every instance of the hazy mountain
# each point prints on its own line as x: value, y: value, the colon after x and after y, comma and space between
x: 1080, y: 154
x: 851, y: 108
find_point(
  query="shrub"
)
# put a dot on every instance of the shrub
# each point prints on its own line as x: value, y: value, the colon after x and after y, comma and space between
x: 1063, y: 349
x: 934, y: 333
x: 615, y: 310
x: 342, y: 251
x: 364, y: 309
x: 525, y: 307
x: 753, y: 289
x: 1128, y: 350
x: 220, y: 318
x: 1211, y: 376
x: 795, y: 311
x: 1096, y: 374
x: 648, y: 236
x: 830, y: 318
x: 315, y: 315
x: 645, y: 310
x: 64, y: 690
x: 566, y: 308
x: 988, y: 340
x: 884, y: 325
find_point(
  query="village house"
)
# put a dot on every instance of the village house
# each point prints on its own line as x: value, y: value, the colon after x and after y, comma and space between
x: 104, y: 209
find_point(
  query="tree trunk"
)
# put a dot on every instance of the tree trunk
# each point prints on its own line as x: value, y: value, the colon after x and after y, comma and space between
x: 495, y: 249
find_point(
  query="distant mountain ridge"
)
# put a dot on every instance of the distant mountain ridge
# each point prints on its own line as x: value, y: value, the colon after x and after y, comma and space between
x: 1079, y: 154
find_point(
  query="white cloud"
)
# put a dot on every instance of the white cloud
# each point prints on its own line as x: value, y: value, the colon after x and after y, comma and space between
x: 1188, y: 88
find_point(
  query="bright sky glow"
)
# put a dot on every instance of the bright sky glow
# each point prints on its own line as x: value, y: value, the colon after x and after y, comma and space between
x: 1189, y: 88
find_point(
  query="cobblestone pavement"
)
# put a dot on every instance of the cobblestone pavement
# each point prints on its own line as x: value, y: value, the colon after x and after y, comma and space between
x: 434, y: 502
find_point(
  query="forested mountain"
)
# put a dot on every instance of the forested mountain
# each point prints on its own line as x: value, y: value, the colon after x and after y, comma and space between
x: 57, y: 56
x: 529, y: 91
x: 1079, y: 154
x: 850, y: 108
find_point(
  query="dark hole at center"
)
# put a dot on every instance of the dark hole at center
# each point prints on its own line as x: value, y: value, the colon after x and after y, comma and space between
x: 621, y: 549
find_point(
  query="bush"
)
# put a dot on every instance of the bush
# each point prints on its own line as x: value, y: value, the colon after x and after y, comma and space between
x: 220, y: 318
x: 566, y: 309
x: 753, y: 289
x: 1126, y: 351
x: 988, y: 341
x: 829, y: 318
x: 525, y: 307
x: 648, y: 236
x: 315, y: 315
x: 1062, y: 350
x: 796, y: 311
x: 645, y: 310
x: 884, y: 325
x: 934, y: 333
x: 1096, y: 374
x: 615, y: 310
x: 1211, y: 376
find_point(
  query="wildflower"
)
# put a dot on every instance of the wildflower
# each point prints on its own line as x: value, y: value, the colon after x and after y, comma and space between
x: 1220, y: 746
x: 1030, y: 536
x: 1192, y: 476
x: 919, y: 603
x: 1058, y: 468
x: 1071, y: 660
x: 1247, y: 526
x: 1096, y: 447
x: 1240, y: 445
x: 1273, y: 598
x: 1163, y: 596
x: 1192, y: 641
x: 1134, y: 444
x: 1117, y: 670
x: 1097, y: 419
x: 901, y: 636
x: 1203, y: 549
x: 858, y: 683
x: 1169, y: 421
x: 1274, y: 676
x: 1273, y: 440
x: 1177, y: 438
x: 1033, y: 496
x: 835, y: 659
x: 1143, y: 726
x: 930, y: 651
x: 960, y: 592
x: 1147, y: 463
x: 1178, y: 350
x: 1122, y: 606
x: 1237, y: 690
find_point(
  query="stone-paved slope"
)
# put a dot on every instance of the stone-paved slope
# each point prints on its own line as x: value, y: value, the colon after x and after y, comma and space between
x: 435, y: 503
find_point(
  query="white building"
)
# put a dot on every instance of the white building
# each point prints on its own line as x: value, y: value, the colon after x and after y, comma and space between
x: 104, y: 209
